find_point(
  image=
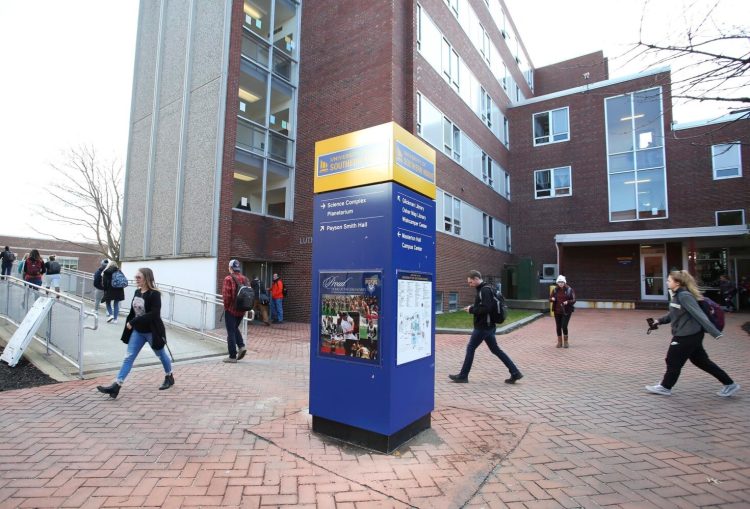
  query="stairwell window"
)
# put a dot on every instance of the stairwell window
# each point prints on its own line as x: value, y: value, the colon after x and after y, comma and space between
x: 551, y: 127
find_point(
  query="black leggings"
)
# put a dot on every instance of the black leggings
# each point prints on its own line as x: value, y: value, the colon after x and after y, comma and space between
x: 684, y: 348
x: 561, y: 324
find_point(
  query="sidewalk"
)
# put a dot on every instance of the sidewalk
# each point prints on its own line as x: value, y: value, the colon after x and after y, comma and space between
x: 577, y: 431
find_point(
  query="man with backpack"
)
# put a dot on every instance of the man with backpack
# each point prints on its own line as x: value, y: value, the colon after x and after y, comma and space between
x: 53, y: 268
x: 485, y: 320
x: 8, y: 257
x: 233, y: 313
x: 99, y: 285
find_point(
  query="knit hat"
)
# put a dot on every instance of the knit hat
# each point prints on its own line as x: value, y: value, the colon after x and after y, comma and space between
x: 234, y: 265
x: 561, y: 279
x: 104, y: 262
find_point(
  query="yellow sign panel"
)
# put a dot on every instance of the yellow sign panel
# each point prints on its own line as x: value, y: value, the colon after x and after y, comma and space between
x: 383, y: 153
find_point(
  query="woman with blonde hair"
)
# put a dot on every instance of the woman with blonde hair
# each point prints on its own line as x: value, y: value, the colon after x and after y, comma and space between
x: 143, y: 325
x: 688, y: 323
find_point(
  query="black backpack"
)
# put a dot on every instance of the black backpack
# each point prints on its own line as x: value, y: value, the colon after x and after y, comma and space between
x: 245, y: 297
x: 498, y: 309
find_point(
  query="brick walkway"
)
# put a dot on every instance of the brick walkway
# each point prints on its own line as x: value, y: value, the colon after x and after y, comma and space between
x: 577, y: 431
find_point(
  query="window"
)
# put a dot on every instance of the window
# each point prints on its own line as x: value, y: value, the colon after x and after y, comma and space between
x: 488, y: 230
x: 730, y: 217
x: 419, y: 114
x: 726, y: 160
x: 452, y: 301
x: 451, y: 140
x: 486, y: 107
x: 635, y: 156
x: 438, y: 302
x: 487, y: 169
x: 506, y: 131
x: 419, y: 27
x: 552, y: 183
x: 507, y: 237
x: 485, y: 45
x: 452, y: 214
x: 453, y: 4
x: 551, y: 126
x: 450, y: 65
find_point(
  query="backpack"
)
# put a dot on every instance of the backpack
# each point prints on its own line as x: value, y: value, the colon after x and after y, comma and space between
x: 53, y: 268
x: 245, y: 297
x: 33, y: 267
x: 713, y: 311
x: 498, y: 309
x: 11, y: 256
x: 119, y: 280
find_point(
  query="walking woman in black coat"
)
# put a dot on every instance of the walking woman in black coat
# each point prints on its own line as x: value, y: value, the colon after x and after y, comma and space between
x: 143, y: 325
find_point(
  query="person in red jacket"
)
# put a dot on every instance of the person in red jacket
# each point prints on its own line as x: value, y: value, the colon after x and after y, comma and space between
x: 233, y: 317
x: 277, y: 300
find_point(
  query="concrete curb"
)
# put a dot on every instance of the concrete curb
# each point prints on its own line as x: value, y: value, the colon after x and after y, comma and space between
x: 500, y: 330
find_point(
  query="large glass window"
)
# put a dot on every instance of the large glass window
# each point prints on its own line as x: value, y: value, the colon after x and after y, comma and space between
x: 726, y: 160
x: 551, y: 126
x: 264, y: 160
x: 635, y: 150
x: 258, y: 17
x: 488, y: 230
x: 552, y: 183
x: 487, y: 169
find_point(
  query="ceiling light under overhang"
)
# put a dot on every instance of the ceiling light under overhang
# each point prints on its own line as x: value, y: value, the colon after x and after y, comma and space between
x: 248, y: 96
x: 243, y: 177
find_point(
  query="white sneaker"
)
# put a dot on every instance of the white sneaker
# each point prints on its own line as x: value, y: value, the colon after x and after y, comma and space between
x: 114, y: 322
x: 110, y: 318
x: 658, y: 389
x: 729, y: 390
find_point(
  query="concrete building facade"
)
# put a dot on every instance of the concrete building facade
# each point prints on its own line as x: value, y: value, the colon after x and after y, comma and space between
x: 229, y: 98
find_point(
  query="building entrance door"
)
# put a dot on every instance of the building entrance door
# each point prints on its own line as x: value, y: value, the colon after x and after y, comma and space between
x: 653, y: 273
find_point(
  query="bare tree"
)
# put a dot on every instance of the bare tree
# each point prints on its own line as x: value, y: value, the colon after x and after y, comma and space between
x: 710, y: 57
x: 87, y: 196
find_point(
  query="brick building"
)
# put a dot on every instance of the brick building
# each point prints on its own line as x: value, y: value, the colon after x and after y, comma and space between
x: 82, y: 257
x: 226, y: 113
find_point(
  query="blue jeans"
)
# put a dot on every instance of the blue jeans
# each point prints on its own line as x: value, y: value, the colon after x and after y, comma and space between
x: 6, y: 268
x: 137, y: 340
x: 234, y: 338
x: 116, y: 310
x: 277, y: 311
x: 477, y: 338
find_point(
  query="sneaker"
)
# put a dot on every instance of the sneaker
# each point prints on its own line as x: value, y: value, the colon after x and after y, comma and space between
x: 110, y: 318
x: 459, y: 379
x: 230, y: 360
x: 241, y: 353
x: 114, y: 322
x: 658, y: 389
x: 514, y: 378
x: 729, y: 390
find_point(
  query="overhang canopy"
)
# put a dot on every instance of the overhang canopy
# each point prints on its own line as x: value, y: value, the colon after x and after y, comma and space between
x: 651, y: 235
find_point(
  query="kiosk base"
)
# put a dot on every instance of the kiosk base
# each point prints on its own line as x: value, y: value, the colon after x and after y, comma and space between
x: 370, y: 439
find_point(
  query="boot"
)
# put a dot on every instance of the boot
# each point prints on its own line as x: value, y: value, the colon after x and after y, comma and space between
x: 168, y: 382
x: 559, y: 341
x: 565, y: 341
x: 113, y: 390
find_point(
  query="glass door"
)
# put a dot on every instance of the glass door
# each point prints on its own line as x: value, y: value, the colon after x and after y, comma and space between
x: 653, y: 273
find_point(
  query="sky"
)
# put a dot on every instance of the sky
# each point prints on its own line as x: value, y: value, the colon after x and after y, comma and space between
x: 67, y: 76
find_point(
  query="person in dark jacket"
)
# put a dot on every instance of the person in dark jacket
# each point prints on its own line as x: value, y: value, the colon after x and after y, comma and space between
x: 7, y: 258
x: 33, y: 268
x: 99, y: 286
x: 143, y: 325
x: 562, y: 298
x: 484, y: 331
x: 111, y: 294
x: 688, y: 323
x: 261, y: 309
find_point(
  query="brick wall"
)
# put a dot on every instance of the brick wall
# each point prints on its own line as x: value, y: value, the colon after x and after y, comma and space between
x: 571, y: 73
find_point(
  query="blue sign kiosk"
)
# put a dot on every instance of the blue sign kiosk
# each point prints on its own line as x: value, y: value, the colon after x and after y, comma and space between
x: 372, y: 344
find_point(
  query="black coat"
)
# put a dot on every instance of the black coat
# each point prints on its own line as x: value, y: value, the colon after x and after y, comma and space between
x: 111, y: 293
x: 150, y: 321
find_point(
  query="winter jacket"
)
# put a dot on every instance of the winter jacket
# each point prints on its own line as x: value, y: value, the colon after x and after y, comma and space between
x: 111, y: 293
x: 481, y: 307
x: 564, y: 294
x: 150, y: 319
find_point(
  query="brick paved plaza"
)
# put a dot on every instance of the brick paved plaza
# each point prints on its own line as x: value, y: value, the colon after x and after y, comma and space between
x: 578, y: 431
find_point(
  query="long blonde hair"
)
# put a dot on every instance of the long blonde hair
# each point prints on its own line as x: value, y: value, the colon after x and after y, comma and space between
x: 685, y: 280
x: 148, y: 277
